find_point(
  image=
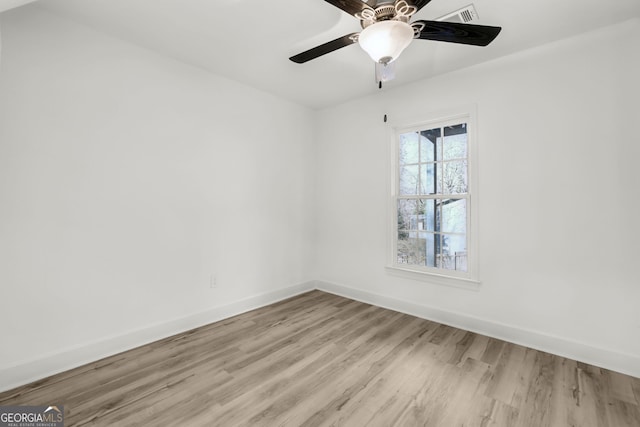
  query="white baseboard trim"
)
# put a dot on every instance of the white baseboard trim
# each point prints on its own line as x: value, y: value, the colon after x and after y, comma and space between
x: 615, y: 361
x: 82, y: 354
x: 74, y: 357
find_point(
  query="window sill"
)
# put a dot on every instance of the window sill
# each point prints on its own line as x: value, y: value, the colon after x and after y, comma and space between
x: 439, y: 279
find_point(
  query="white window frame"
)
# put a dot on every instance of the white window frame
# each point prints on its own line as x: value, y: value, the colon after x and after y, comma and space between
x: 470, y: 278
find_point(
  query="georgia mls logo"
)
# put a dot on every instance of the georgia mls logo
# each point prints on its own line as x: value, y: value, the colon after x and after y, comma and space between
x: 54, y: 409
x: 31, y: 416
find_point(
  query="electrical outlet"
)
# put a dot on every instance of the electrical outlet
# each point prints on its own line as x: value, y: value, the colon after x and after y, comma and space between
x: 212, y: 282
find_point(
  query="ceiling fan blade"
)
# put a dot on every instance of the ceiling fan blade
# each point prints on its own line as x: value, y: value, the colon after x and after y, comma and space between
x: 419, y: 4
x: 454, y: 32
x: 324, y: 48
x: 352, y: 7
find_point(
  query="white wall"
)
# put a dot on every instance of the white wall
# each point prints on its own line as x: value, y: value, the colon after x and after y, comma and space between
x: 126, y: 180
x: 10, y: 4
x: 559, y: 204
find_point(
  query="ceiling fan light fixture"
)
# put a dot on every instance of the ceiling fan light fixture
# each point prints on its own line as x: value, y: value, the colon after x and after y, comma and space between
x: 384, y: 41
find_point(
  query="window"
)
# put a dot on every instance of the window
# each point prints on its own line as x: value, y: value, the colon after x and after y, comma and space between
x: 432, y: 204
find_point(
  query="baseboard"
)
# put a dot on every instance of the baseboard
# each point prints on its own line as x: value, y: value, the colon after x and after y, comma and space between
x: 70, y: 358
x: 615, y: 361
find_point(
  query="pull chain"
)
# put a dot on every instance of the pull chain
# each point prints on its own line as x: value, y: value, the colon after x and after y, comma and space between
x: 380, y: 87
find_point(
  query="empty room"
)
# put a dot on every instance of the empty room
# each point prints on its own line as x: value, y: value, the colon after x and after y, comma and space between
x: 319, y: 213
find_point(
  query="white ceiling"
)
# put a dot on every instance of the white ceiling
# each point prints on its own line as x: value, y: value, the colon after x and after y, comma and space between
x: 251, y: 40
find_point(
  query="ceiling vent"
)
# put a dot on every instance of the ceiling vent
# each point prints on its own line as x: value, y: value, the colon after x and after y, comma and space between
x: 465, y: 15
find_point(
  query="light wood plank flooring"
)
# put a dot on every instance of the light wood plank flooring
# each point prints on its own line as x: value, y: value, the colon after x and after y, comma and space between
x: 322, y: 360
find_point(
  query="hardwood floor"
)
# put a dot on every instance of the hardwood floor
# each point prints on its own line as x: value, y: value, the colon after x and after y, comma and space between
x: 322, y: 360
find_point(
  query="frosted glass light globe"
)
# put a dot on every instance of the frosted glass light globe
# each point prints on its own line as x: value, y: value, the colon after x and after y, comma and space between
x: 384, y: 41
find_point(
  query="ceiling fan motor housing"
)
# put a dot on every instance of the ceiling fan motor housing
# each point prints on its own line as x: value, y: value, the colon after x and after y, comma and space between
x: 398, y: 11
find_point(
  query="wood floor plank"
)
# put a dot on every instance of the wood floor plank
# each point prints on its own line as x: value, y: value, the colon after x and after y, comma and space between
x: 536, y: 410
x: 462, y: 396
x: 318, y: 359
x: 476, y: 349
x: 461, y: 347
x: 505, y: 373
x: 635, y: 384
x: 453, y: 345
x: 592, y: 394
x: 486, y: 412
x: 523, y: 379
x: 429, y: 406
x: 565, y: 394
x: 621, y: 387
x: 493, y: 350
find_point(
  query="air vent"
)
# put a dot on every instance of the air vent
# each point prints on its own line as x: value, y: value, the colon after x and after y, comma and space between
x: 464, y: 15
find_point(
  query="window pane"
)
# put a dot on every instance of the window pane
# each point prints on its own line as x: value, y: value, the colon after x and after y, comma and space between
x: 430, y: 249
x: 428, y: 145
x: 454, y: 215
x: 420, y: 214
x: 418, y: 249
x: 407, y: 219
x: 454, y: 177
x: 428, y: 210
x: 404, y: 248
x: 454, y: 252
x: 428, y: 178
x: 455, y: 142
x: 409, y: 143
x: 409, y: 179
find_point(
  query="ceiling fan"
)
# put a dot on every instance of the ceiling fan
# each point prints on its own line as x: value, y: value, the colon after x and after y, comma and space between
x: 386, y: 30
